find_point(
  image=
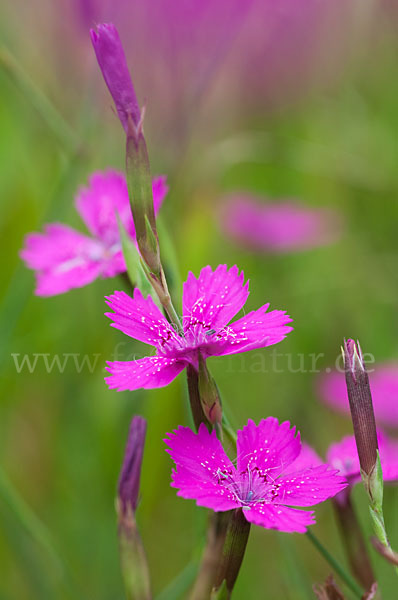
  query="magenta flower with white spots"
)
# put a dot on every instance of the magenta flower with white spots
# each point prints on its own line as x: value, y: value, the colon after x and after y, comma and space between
x: 264, y: 483
x: 209, y: 303
x: 64, y: 258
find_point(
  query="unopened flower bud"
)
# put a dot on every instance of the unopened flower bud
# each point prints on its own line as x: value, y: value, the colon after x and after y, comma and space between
x: 361, y: 406
x: 129, y: 480
x: 363, y: 420
x: 133, y: 561
x: 112, y: 62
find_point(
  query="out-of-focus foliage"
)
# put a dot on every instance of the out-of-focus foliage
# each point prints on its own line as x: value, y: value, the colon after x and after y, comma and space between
x: 62, y: 431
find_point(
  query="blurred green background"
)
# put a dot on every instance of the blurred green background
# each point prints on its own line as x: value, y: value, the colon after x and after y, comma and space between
x: 62, y: 434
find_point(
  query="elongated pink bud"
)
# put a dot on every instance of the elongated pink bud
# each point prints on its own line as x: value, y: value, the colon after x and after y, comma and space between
x: 112, y: 62
x: 133, y: 562
x: 129, y: 480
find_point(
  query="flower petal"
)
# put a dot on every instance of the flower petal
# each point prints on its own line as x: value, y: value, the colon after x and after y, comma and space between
x: 98, y: 204
x: 199, y: 460
x: 309, y: 486
x: 307, y: 458
x: 268, y: 447
x: 107, y: 196
x: 214, y: 297
x: 139, y: 318
x: 159, y: 191
x: 281, y: 518
x: 146, y: 373
x: 257, y: 329
x: 285, y: 226
x: 62, y: 258
x: 343, y: 456
x: 389, y: 458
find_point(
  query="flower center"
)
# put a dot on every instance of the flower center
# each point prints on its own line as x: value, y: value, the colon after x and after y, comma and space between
x: 249, y: 487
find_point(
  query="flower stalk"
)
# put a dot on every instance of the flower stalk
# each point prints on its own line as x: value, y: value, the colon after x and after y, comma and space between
x: 336, y: 566
x: 232, y: 555
x: 209, y: 395
x: 353, y: 539
x: 141, y: 199
x: 194, y: 397
x: 216, y: 532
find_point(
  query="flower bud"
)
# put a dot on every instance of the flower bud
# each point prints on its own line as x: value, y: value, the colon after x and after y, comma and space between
x: 112, y: 62
x: 363, y: 420
x: 361, y: 406
x: 129, y: 480
x: 133, y: 561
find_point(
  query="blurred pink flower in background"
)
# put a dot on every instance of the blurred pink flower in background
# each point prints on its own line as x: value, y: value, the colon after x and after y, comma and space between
x: 174, y: 49
x: 384, y: 386
x: 260, y: 53
x: 64, y: 258
x: 284, y: 226
x: 343, y: 456
x: 236, y: 56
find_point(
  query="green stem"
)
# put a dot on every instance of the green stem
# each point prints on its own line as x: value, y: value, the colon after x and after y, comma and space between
x: 232, y: 554
x: 211, y: 557
x: 194, y: 397
x: 354, y: 541
x: 336, y: 566
x: 133, y: 561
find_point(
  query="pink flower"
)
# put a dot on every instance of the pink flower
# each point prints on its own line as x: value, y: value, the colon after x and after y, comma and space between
x: 343, y: 456
x: 278, y: 227
x: 264, y: 483
x: 383, y: 384
x: 64, y: 258
x: 209, y: 303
